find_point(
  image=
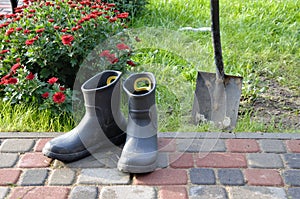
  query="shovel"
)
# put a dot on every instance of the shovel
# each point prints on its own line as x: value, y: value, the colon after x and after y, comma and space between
x: 217, y: 95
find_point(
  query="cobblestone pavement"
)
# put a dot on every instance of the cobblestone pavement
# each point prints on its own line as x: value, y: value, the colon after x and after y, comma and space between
x: 191, y: 165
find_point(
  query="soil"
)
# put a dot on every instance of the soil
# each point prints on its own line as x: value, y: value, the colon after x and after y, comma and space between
x: 279, y: 106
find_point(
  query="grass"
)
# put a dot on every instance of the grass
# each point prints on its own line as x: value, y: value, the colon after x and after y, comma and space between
x: 259, y: 39
x: 27, y: 118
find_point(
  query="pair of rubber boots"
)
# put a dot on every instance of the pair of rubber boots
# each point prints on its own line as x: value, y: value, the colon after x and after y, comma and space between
x: 103, y: 123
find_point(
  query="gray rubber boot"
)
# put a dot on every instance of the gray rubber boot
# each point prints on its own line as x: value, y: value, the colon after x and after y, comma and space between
x: 139, y: 154
x: 102, y: 125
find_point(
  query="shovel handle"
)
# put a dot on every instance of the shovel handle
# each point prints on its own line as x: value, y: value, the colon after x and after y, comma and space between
x: 215, y: 27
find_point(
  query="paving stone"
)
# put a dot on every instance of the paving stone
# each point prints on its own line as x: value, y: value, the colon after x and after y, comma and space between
x: 40, y: 144
x: 181, y: 160
x: 34, y: 160
x: 63, y: 176
x: 3, y: 192
x: 200, y: 145
x: 207, y: 192
x: 242, y: 145
x: 256, y: 192
x: 9, y: 176
x: 171, y: 192
x: 17, y: 145
x: 40, y: 192
x: 292, y: 160
x: 166, y: 176
x: 221, y: 160
x: 292, y: 177
x: 263, y: 177
x: 8, y: 160
x: 132, y: 192
x: 293, y: 146
x: 202, y: 176
x: 107, y: 158
x: 293, y: 192
x: 103, y: 176
x: 84, y: 192
x: 163, y: 160
x: 264, y: 160
x: 272, y: 146
x: 166, y: 145
x: 33, y: 177
x: 233, y: 177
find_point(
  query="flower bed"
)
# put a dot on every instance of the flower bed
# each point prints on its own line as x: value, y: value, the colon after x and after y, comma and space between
x: 44, y: 43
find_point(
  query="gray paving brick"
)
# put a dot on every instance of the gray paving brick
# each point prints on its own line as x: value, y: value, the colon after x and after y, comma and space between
x: 293, y: 193
x: 292, y: 177
x: 62, y: 177
x: 3, y: 192
x: 231, y: 177
x: 162, y: 160
x: 207, y: 192
x: 202, y: 176
x: 17, y: 145
x: 272, y: 146
x: 292, y: 160
x: 84, y: 192
x: 199, y: 145
x: 33, y: 177
x: 8, y: 159
x: 264, y: 160
x: 107, y: 158
x: 132, y: 192
x: 243, y: 192
x: 102, y: 176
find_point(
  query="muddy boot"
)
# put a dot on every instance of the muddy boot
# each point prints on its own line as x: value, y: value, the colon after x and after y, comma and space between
x: 139, y: 154
x: 102, y: 125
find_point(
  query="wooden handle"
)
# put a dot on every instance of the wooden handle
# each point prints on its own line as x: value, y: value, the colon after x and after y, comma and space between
x: 215, y: 28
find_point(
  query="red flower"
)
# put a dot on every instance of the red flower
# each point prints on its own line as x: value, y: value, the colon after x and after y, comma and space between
x: 67, y: 39
x: 52, y: 80
x: 45, y: 95
x: 30, y: 76
x: 26, y: 31
x: 105, y: 53
x: 29, y: 42
x: 61, y: 88
x: 122, y: 46
x: 32, y: 11
x: 51, y: 20
x: 12, y: 80
x: 15, y: 67
x: 9, y: 31
x: 123, y: 15
x: 59, y: 97
x: 113, y: 19
x: 4, y: 51
x: 131, y: 63
x: 18, y: 60
x: 40, y: 30
x: 56, y: 27
x: 19, y: 29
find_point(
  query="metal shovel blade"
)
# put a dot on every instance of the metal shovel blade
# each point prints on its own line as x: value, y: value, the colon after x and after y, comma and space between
x: 217, y: 101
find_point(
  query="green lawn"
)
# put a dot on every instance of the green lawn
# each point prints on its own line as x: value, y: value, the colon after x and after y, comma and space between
x: 260, y: 41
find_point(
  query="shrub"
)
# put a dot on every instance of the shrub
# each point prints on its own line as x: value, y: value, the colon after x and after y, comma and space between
x: 50, y: 39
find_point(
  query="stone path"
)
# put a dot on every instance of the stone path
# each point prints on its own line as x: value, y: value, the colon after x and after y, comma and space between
x: 191, y: 165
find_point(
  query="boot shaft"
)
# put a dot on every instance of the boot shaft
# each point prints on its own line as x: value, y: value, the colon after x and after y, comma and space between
x: 102, y: 100
x: 142, y: 116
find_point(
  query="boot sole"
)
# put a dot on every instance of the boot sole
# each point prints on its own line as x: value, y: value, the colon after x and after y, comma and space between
x: 137, y: 169
x: 71, y: 157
